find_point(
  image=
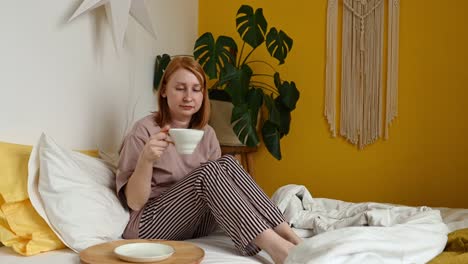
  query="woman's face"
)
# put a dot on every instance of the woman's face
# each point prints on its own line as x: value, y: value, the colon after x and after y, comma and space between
x: 184, y: 95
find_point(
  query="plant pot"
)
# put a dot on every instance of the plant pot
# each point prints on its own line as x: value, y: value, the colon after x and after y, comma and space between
x: 220, y: 120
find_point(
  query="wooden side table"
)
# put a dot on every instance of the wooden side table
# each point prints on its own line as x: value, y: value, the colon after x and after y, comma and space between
x: 243, y: 154
x: 185, y: 252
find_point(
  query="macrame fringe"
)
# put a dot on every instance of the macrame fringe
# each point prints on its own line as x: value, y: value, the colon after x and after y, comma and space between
x: 330, y: 70
x: 361, y: 104
x: 392, y: 67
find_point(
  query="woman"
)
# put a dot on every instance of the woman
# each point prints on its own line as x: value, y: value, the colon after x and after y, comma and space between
x: 175, y: 197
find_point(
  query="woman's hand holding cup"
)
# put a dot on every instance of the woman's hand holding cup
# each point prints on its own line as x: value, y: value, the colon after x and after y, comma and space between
x: 156, y: 145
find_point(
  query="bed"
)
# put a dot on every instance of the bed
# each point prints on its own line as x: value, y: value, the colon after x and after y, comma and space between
x: 219, y: 249
x: 19, y: 166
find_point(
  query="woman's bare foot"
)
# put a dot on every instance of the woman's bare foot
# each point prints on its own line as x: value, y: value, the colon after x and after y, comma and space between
x: 287, y: 233
x: 277, y: 247
x: 280, y: 256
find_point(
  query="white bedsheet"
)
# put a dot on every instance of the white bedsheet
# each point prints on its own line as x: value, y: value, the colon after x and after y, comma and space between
x: 360, y: 232
x: 455, y: 218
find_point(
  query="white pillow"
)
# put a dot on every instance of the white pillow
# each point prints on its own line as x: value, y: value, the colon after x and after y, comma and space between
x: 75, y: 194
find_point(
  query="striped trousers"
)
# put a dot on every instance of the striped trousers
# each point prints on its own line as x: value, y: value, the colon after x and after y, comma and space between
x: 217, y: 192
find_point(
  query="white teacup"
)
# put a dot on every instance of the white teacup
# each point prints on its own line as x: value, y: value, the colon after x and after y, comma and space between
x: 185, y: 139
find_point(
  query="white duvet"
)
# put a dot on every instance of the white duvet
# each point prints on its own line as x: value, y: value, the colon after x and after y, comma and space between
x: 360, y: 232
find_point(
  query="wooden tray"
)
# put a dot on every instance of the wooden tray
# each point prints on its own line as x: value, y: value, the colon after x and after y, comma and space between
x: 185, y: 252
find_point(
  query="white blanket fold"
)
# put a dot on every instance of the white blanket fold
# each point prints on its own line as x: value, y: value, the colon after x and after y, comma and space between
x: 360, y: 232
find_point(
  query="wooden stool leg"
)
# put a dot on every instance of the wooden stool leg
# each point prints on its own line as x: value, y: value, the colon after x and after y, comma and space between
x: 250, y: 164
x: 244, y: 162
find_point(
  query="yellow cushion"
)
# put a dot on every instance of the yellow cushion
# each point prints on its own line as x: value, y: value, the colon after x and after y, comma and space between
x: 21, y: 228
x: 14, y: 171
x: 456, y: 250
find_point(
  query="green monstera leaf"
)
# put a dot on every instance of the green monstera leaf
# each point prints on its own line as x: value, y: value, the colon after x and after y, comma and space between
x: 237, y: 82
x: 244, y: 117
x: 214, y: 55
x: 289, y: 95
x: 255, y: 102
x: 243, y: 125
x: 278, y: 44
x: 273, y: 113
x: 251, y: 26
x: 271, y: 138
x: 160, y: 66
x: 285, y: 117
x: 277, y: 79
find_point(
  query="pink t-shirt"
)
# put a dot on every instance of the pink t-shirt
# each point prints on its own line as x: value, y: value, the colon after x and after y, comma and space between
x: 169, y: 169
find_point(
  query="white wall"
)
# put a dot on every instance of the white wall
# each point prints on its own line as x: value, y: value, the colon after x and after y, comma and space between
x: 67, y: 80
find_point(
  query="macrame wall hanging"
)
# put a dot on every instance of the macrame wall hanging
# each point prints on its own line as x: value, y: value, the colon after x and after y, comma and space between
x: 362, y: 84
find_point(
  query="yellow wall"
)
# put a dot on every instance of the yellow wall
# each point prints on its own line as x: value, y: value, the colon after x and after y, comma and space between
x: 425, y: 161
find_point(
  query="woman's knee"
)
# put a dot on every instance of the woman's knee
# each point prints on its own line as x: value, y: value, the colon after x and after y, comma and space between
x: 228, y: 159
x: 210, y: 169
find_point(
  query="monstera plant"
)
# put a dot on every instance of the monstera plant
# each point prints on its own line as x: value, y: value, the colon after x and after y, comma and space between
x: 234, y: 78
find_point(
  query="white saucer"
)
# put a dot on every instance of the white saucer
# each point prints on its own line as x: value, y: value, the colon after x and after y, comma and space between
x: 144, y: 252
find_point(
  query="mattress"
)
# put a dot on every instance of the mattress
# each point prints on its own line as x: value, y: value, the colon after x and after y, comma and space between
x: 218, y: 247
